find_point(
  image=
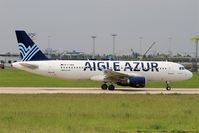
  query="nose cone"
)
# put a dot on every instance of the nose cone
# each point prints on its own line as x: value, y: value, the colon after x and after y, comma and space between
x: 189, y: 74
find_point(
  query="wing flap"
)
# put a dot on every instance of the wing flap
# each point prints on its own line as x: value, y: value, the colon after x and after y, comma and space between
x: 111, y: 76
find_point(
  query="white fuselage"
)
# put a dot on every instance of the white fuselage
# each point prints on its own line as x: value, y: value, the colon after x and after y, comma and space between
x: 94, y: 70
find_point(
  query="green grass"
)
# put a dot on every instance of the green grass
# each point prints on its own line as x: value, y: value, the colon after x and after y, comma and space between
x: 82, y: 113
x: 94, y: 113
x: 13, y: 77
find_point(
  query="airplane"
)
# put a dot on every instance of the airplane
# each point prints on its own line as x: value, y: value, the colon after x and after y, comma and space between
x: 124, y: 73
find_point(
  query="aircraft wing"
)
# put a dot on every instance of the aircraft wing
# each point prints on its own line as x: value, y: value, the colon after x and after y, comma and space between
x: 30, y: 66
x: 112, y: 76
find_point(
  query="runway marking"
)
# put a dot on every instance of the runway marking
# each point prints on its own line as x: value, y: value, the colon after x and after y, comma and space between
x: 57, y: 90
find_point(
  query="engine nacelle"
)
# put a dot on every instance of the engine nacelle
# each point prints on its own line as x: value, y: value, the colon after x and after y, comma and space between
x: 137, y: 82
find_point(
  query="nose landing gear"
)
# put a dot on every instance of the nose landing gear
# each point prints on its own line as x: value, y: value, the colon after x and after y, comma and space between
x: 168, y: 87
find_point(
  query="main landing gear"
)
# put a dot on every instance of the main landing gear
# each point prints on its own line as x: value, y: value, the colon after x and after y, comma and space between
x: 168, y: 87
x: 109, y: 87
x: 112, y: 87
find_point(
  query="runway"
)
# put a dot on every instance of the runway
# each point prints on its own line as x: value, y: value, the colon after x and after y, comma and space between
x: 58, y: 90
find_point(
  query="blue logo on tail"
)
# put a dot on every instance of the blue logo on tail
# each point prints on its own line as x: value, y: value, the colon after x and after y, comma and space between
x: 27, y: 53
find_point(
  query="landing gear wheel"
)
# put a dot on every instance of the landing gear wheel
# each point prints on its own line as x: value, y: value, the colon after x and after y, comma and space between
x: 168, y: 87
x: 111, y: 87
x: 104, y: 86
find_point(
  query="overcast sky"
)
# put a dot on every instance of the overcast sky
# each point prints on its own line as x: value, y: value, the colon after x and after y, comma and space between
x: 71, y: 23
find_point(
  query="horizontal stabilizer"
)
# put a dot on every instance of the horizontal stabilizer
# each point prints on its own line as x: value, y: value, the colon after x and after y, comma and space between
x: 30, y: 66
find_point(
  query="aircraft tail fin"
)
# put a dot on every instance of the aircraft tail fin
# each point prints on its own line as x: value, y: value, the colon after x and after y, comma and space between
x: 29, y: 51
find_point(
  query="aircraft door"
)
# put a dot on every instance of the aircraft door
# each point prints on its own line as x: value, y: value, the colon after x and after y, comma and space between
x: 171, y: 71
x: 51, y: 70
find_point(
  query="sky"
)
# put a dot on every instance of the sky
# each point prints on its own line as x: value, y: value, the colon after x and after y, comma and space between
x: 70, y: 24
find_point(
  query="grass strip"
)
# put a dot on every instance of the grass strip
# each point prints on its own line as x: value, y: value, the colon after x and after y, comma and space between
x: 98, y: 113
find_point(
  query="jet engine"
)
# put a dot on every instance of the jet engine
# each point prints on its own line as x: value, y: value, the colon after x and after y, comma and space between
x: 133, y: 81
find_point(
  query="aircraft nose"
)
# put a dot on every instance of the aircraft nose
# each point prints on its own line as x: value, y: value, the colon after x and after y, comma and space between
x: 189, y: 74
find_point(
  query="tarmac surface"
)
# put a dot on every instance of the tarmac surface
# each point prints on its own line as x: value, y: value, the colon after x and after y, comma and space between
x: 57, y: 90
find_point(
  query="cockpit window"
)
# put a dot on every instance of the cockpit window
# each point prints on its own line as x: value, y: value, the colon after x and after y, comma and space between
x: 181, y: 68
